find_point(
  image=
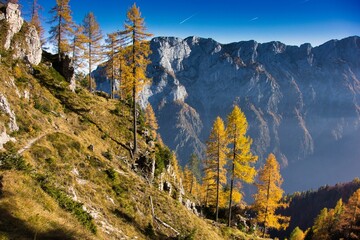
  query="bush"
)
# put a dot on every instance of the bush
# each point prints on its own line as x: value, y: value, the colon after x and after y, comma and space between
x: 12, y: 160
x: 68, y: 204
x: 162, y: 158
x: 111, y: 173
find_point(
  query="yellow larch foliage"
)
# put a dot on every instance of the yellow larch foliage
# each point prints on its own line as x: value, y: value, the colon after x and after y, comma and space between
x: 93, y: 37
x: 150, y: 120
x: 62, y: 29
x: 135, y: 36
x: 350, y: 217
x: 268, y: 197
x: 241, y: 158
x: 216, y: 159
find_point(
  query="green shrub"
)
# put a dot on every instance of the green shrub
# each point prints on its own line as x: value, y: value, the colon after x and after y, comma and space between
x: 111, y: 173
x: 107, y: 155
x: 68, y: 204
x: 12, y: 160
x: 162, y: 158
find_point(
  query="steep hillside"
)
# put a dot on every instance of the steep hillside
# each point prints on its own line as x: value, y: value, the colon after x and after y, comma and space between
x: 302, y: 103
x: 66, y: 170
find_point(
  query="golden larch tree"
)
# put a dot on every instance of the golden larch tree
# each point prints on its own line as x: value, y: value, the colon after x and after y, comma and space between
x: 150, y: 120
x: 35, y: 20
x: 93, y: 51
x: 62, y: 28
x: 114, y: 52
x: 350, y: 217
x: 135, y: 36
x: 268, y: 196
x: 78, y: 47
x: 297, y: 234
x: 216, y: 158
x: 241, y: 158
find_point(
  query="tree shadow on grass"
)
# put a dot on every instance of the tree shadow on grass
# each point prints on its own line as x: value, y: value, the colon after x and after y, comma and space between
x: 15, y: 228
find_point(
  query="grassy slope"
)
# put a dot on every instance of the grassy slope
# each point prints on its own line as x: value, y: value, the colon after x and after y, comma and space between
x: 56, y: 128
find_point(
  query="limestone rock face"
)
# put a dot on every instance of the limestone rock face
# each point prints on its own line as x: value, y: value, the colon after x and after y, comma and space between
x: 12, y: 126
x: 15, y: 22
x: 32, y: 52
x: 29, y: 48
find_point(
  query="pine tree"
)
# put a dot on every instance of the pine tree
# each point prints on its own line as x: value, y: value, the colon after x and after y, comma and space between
x: 188, y: 179
x: 216, y: 158
x: 115, y: 54
x: 241, y: 158
x: 135, y: 35
x: 62, y: 28
x: 321, y: 225
x: 93, y: 37
x: 78, y: 48
x: 297, y: 234
x: 268, y: 197
x: 35, y: 20
x: 150, y: 120
x: 350, y: 217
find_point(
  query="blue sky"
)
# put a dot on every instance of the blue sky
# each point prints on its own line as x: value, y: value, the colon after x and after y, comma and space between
x: 289, y: 21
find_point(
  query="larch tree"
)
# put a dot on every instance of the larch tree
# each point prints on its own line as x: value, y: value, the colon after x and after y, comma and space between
x: 78, y: 47
x: 150, y: 120
x: 216, y: 158
x: 297, y: 234
x: 62, y: 27
x: 241, y: 158
x: 93, y: 51
x: 135, y: 36
x: 350, y: 217
x: 268, y: 197
x: 35, y: 20
x: 321, y: 225
x: 192, y: 173
x: 114, y: 53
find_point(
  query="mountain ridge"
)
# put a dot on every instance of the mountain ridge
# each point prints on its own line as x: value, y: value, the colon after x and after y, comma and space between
x: 311, y: 94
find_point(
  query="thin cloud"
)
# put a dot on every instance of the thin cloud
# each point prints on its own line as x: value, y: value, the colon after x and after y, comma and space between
x: 254, y: 19
x: 187, y: 19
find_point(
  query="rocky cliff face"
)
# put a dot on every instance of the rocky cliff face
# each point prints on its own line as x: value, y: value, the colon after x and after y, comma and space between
x: 18, y: 36
x: 302, y: 103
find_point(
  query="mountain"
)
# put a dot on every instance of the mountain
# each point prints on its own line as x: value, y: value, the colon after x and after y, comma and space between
x: 302, y: 103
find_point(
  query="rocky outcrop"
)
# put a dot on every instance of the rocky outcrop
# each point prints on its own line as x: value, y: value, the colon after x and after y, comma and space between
x: 28, y: 45
x: 14, y: 21
x: 5, y: 107
x: 12, y: 125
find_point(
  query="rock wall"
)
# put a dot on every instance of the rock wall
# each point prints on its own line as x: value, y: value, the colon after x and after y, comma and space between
x: 28, y: 45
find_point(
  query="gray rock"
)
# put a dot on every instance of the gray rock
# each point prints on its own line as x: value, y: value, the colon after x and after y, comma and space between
x: 15, y: 22
x: 5, y: 107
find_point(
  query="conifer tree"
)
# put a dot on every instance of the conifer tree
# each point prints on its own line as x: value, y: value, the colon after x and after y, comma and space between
x: 321, y: 225
x: 268, y: 197
x: 35, y: 20
x: 150, y: 120
x: 350, y: 217
x: 62, y: 28
x: 115, y: 54
x: 216, y: 158
x: 135, y: 36
x: 241, y: 158
x: 297, y: 234
x: 78, y: 48
x: 93, y: 37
